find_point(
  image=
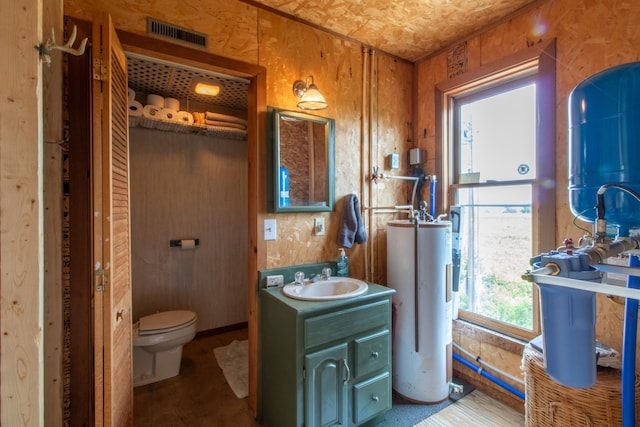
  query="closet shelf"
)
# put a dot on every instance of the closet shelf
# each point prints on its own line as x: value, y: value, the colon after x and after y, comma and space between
x: 194, y: 129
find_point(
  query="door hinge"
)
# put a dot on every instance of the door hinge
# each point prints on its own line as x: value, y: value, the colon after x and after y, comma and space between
x: 99, y: 70
x: 101, y: 280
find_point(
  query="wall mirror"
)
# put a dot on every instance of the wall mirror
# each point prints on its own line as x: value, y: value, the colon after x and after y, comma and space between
x: 302, y: 167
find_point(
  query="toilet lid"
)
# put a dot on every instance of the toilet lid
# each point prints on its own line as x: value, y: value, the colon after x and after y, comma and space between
x: 165, y: 320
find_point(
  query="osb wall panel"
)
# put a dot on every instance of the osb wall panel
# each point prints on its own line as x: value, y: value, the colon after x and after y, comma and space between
x: 292, y: 51
x: 392, y: 132
x: 231, y: 25
x: 183, y: 187
x: 592, y: 35
x: 495, y: 350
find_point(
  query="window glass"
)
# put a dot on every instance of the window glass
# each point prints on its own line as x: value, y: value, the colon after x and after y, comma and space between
x: 498, y: 161
x: 497, y: 136
x: 496, y: 245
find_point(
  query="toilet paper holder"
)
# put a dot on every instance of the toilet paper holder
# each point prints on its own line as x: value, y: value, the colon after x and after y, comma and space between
x: 177, y: 243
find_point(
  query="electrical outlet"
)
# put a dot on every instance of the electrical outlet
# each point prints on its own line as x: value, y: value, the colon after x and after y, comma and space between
x: 275, y: 281
x: 318, y: 226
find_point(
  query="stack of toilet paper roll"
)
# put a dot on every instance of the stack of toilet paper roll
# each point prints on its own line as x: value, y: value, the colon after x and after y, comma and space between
x: 135, y: 108
x: 158, y: 108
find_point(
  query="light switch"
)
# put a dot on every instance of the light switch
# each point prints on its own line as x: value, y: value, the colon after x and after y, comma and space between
x: 270, y: 229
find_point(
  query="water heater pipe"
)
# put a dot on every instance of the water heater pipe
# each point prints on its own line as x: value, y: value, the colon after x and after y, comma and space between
x: 489, y: 376
x: 630, y: 334
x: 376, y: 176
x: 599, y: 252
x: 481, y: 362
x: 432, y: 196
x: 416, y: 285
x: 584, y: 285
x: 364, y: 165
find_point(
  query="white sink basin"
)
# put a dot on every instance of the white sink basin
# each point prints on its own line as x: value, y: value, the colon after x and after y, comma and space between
x: 325, y: 290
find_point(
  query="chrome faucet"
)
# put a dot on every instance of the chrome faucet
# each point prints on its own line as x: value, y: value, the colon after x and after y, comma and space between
x: 325, y: 275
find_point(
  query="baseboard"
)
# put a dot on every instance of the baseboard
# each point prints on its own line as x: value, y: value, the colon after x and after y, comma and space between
x: 221, y: 330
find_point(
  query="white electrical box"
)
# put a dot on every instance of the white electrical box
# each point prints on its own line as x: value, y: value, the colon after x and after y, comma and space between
x: 417, y: 156
x: 318, y: 227
x: 276, y: 281
x: 394, y: 161
x: 270, y: 229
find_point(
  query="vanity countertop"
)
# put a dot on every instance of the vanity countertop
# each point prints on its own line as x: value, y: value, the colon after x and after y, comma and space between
x: 301, y: 306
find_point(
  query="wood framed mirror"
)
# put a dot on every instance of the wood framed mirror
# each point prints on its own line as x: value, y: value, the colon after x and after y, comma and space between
x: 301, y: 176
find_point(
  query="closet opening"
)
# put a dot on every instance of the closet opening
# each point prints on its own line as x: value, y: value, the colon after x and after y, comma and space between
x: 249, y: 84
x: 188, y: 182
x: 245, y: 161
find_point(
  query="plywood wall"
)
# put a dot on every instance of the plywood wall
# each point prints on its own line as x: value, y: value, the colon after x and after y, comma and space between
x: 592, y: 35
x: 352, y: 80
x: 348, y: 77
x: 185, y: 187
x: 374, y: 99
x: 231, y: 25
x: 392, y: 132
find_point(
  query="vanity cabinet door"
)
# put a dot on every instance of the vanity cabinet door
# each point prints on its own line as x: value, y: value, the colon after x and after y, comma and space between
x: 327, y: 375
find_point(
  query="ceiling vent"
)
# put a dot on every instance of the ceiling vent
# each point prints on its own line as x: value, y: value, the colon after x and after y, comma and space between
x: 175, y: 33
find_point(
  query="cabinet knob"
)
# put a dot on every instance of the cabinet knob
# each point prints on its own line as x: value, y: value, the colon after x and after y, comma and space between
x: 375, y: 398
x: 375, y: 355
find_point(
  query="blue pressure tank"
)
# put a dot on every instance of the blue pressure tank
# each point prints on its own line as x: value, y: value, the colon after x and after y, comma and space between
x: 604, y: 148
x: 604, y: 144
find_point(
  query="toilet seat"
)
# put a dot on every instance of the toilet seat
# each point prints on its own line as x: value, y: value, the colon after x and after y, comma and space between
x: 166, y: 321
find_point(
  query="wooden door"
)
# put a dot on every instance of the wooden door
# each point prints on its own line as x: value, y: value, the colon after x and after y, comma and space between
x: 111, y: 230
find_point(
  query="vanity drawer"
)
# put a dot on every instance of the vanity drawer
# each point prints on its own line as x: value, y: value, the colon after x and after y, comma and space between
x: 341, y: 324
x: 371, y: 353
x: 371, y: 397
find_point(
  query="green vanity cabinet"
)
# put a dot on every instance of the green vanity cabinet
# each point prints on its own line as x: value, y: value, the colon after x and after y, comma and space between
x: 325, y: 363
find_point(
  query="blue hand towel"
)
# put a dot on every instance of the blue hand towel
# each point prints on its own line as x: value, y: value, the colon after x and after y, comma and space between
x: 351, y: 226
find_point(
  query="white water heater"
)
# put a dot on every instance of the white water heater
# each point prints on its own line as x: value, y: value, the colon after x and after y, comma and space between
x: 419, y: 268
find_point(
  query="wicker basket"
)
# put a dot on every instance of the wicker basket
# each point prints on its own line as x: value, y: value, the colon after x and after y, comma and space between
x: 549, y: 403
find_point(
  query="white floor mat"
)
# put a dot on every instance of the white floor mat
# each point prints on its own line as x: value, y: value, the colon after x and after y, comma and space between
x: 233, y: 359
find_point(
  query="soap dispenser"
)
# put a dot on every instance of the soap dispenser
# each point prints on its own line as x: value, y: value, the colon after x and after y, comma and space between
x: 343, y: 264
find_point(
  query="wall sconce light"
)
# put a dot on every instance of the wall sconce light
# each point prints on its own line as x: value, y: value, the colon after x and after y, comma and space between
x: 309, y: 95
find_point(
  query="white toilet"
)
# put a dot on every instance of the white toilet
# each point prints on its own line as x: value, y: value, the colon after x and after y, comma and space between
x: 157, y: 344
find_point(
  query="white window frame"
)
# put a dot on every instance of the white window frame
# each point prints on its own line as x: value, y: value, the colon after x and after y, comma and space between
x: 538, y: 62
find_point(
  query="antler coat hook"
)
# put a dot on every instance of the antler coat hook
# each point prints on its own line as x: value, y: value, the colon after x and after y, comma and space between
x: 45, y: 49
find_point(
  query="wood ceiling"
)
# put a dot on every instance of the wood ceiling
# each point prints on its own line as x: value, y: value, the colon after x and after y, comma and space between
x: 408, y: 29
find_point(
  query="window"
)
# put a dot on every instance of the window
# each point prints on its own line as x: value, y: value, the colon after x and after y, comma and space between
x: 497, y: 145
